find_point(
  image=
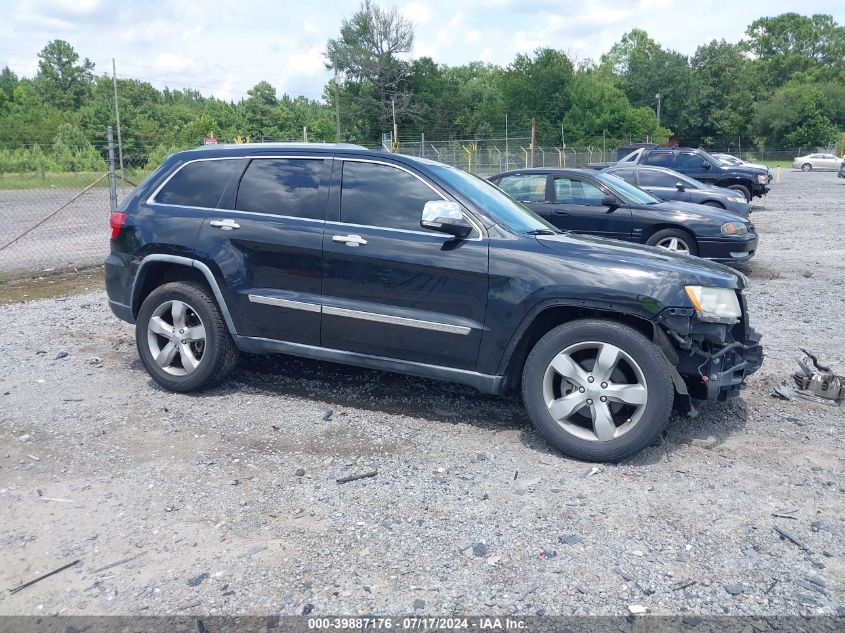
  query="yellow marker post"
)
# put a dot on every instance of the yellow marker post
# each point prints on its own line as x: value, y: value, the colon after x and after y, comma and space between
x: 777, y: 175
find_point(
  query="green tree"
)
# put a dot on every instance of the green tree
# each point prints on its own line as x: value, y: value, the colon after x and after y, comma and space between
x: 8, y: 81
x: 790, y: 43
x: 368, y: 50
x: 62, y: 80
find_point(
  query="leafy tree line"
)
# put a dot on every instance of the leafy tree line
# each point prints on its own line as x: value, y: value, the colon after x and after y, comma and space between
x: 783, y: 85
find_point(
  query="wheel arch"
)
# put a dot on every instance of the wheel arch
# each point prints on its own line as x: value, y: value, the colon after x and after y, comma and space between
x: 157, y: 269
x: 550, y: 315
x: 654, y: 228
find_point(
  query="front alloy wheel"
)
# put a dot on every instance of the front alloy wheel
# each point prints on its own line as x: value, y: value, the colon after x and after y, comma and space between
x: 675, y: 244
x: 597, y: 390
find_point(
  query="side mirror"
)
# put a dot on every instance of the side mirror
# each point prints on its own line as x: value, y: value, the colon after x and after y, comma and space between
x: 446, y: 217
x: 679, y: 186
x: 706, y: 165
x: 609, y: 201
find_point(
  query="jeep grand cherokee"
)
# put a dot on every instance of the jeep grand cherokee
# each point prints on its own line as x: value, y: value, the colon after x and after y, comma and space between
x: 401, y: 264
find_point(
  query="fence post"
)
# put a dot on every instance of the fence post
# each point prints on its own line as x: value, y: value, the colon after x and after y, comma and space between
x: 112, y: 177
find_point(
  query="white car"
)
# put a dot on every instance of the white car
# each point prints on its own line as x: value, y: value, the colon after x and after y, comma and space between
x: 817, y: 161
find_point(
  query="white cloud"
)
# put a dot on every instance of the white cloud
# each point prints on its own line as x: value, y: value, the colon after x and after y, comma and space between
x: 417, y: 12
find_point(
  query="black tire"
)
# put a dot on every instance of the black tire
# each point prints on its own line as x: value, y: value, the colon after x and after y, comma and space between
x: 680, y: 234
x: 219, y: 354
x: 806, y: 167
x: 713, y: 203
x: 658, y: 383
x: 745, y: 191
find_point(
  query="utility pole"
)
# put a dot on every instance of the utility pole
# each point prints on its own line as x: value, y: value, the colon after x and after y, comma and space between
x: 112, y: 177
x: 658, y: 96
x: 395, y: 128
x: 507, y: 154
x: 117, y: 117
x: 336, y: 108
x: 533, y: 143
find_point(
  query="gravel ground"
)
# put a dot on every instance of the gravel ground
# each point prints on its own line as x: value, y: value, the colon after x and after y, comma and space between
x: 226, y: 502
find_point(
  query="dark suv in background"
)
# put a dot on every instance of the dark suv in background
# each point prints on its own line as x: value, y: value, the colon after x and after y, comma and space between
x: 395, y: 263
x: 698, y: 164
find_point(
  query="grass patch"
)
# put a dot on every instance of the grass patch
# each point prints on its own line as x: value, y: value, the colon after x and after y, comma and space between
x: 65, y: 180
x: 52, y: 285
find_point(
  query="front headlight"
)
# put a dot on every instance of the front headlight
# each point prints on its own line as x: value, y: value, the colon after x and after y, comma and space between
x: 761, y: 179
x: 737, y: 199
x: 718, y: 305
x: 734, y: 228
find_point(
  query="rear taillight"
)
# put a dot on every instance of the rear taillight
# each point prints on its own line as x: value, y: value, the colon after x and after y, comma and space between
x: 116, y: 221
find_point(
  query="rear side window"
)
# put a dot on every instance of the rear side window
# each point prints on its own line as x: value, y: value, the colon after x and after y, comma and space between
x: 199, y: 184
x: 662, y: 159
x: 570, y: 191
x: 626, y: 174
x: 651, y: 178
x: 282, y: 186
x: 688, y: 160
x: 383, y: 196
x: 525, y: 187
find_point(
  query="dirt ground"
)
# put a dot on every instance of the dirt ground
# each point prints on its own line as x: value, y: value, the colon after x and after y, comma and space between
x: 227, y: 502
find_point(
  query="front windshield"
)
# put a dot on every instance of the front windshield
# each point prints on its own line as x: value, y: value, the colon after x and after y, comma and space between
x: 499, y: 205
x: 628, y: 192
x: 711, y: 159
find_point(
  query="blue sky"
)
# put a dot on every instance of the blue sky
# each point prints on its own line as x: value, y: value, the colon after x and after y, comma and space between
x: 223, y: 48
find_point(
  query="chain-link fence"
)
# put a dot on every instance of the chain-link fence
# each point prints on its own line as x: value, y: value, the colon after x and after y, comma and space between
x: 486, y: 157
x: 57, y: 220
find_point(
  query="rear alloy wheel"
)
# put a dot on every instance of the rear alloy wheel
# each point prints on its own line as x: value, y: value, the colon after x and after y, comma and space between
x: 182, y: 339
x: 597, y: 390
x: 806, y: 167
x: 675, y: 240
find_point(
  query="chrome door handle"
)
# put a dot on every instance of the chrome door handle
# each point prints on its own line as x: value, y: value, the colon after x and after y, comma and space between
x: 226, y: 225
x: 349, y: 240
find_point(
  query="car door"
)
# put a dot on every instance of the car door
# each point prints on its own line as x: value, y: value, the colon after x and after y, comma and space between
x: 390, y: 287
x: 661, y: 184
x: 695, y: 166
x: 266, y: 242
x: 578, y: 205
x: 531, y: 189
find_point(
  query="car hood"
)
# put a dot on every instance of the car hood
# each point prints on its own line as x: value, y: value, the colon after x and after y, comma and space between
x: 694, y: 211
x: 641, y: 262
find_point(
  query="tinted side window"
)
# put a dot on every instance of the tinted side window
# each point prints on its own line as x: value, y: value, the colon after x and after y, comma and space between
x: 650, y: 178
x: 199, y: 184
x: 525, y: 187
x: 569, y: 191
x: 384, y: 196
x: 662, y: 159
x: 626, y: 174
x: 282, y: 186
x: 688, y: 160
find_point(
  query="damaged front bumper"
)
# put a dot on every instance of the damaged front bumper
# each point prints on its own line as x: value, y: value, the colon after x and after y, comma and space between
x: 713, y: 359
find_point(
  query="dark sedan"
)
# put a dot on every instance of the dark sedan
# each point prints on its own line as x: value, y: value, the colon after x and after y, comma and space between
x: 586, y: 201
x: 667, y: 184
x: 842, y: 170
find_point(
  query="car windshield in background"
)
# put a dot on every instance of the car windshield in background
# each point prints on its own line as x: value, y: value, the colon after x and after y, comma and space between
x: 494, y: 201
x: 712, y: 159
x: 628, y: 192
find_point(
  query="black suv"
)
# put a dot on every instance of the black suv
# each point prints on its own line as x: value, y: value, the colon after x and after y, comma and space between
x: 343, y: 254
x: 698, y: 164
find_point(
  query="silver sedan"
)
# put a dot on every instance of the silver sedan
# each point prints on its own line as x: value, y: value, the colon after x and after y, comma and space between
x: 817, y: 161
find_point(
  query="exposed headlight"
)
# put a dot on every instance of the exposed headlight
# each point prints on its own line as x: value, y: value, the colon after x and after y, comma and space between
x: 718, y: 305
x: 737, y: 199
x: 734, y: 228
x: 762, y: 178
